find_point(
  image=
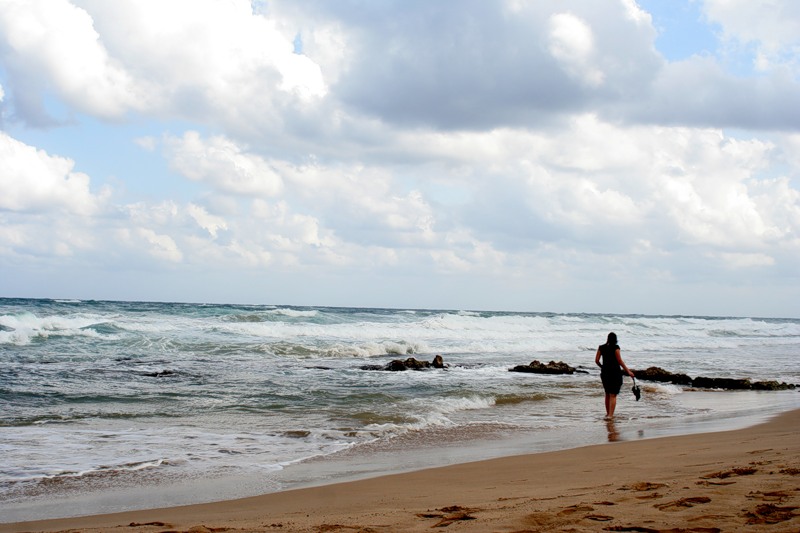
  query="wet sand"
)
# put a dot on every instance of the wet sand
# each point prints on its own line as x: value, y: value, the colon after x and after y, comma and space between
x: 742, y: 480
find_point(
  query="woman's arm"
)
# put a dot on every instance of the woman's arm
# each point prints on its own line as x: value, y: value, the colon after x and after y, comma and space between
x: 597, y: 358
x: 622, y: 363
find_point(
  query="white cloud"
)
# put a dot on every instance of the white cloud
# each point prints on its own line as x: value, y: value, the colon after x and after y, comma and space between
x: 146, y: 143
x: 212, y: 224
x: 32, y: 180
x: 572, y: 43
x: 744, y: 260
x: 223, y: 165
x: 217, y: 56
x: 160, y: 246
x: 772, y: 25
x: 286, y: 230
x: 203, y: 57
x: 636, y: 13
x: 53, y: 44
x: 610, y: 185
x: 365, y: 204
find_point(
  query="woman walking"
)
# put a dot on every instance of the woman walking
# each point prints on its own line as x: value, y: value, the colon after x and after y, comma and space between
x: 611, y: 369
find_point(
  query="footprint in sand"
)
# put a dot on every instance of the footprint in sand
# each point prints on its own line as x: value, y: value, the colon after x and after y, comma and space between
x: 576, y: 509
x: 767, y: 513
x: 450, y: 515
x: 707, y: 483
x: 650, y: 496
x: 598, y: 517
x: 774, y: 496
x: 642, y: 529
x: 683, y: 503
x: 643, y: 486
x: 739, y: 471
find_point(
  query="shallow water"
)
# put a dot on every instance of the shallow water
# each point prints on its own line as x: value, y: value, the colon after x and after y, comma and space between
x: 114, y: 405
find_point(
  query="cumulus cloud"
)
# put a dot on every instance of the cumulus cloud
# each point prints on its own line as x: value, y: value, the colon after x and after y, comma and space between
x: 325, y: 70
x: 211, y: 223
x: 159, y: 245
x: 534, y: 143
x: 32, y: 180
x: 610, y: 188
x: 364, y: 203
x: 469, y: 64
x: 772, y: 26
x: 572, y: 43
x: 53, y: 44
x: 217, y: 59
x: 699, y: 92
x: 221, y: 164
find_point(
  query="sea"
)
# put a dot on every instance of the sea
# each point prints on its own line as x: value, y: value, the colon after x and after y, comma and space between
x: 108, y: 406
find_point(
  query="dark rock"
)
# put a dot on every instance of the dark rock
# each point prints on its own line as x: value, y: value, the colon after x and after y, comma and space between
x: 722, y: 383
x: 655, y: 373
x: 773, y: 385
x: 740, y: 384
x: 399, y: 365
x: 540, y: 368
x: 409, y: 364
x: 159, y: 374
x: 372, y: 367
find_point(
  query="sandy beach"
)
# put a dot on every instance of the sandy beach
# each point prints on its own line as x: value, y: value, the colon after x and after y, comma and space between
x: 743, y: 480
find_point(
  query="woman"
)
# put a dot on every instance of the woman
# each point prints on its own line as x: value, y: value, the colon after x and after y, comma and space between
x: 611, y: 371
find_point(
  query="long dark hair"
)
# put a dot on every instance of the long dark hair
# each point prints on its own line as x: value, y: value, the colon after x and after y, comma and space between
x: 612, y: 339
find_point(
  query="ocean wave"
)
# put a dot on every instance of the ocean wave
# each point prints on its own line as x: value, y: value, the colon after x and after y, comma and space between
x: 50, y: 478
x: 351, y: 351
x: 294, y: 313
x: 249, y: 317
x: 23, y: 328
x: 514, y: 399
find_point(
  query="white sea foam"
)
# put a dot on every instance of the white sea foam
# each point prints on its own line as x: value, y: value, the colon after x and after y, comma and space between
x: 294, y: 313
x: 21, y: 329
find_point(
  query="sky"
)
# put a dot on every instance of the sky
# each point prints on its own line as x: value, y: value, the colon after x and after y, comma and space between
x: 598, y: 156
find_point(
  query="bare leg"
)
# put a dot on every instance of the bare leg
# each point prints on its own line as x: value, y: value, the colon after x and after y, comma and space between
x: 611, y: 404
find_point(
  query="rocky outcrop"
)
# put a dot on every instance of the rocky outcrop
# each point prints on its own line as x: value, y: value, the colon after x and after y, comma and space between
x: 655, y: 373
x: 399, y: 365
x: 740, y: 384
x: 535, y: 367
x: 721, y: 383
x: 772, y: 385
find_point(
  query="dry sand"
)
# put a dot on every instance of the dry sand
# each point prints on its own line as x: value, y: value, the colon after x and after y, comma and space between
x: 744, y: 480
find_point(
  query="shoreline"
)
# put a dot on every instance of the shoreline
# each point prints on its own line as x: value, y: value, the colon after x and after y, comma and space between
x: 405, y: 453
x: 718, y: 481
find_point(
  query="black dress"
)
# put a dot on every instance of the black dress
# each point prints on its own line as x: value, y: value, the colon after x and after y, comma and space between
x: 611, y: 372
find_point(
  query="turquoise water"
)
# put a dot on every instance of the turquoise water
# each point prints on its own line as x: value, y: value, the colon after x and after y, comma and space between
x: 113, y: 405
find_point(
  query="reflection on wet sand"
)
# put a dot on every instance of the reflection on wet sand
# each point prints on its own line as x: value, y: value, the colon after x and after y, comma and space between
x: 613, y: 434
